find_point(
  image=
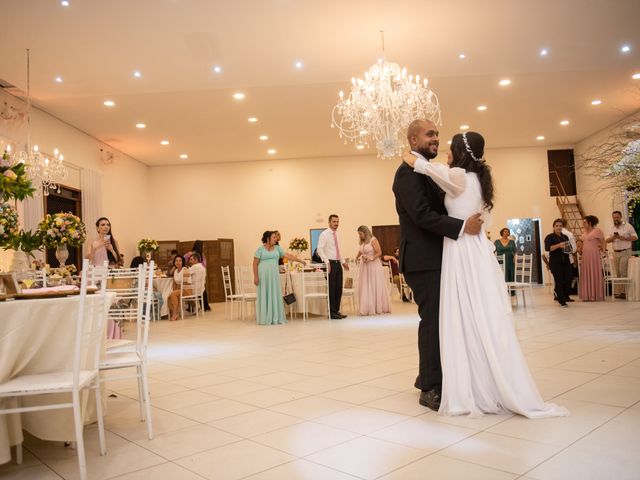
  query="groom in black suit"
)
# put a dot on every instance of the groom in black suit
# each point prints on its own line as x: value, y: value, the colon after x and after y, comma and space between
x: 423, y: 224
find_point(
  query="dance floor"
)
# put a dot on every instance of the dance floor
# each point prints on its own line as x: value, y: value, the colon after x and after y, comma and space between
x: 333, y: 400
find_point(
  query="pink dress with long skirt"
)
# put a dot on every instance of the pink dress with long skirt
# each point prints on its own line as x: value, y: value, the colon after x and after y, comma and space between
x: 591, y: 278
x: 373, y: 287
x: 99, y: 257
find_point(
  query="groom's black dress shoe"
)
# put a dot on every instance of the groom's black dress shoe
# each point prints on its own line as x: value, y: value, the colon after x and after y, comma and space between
x: 342, y: 316
x: 430, y: 399
x: 336, y: 317
x: 417, y: 383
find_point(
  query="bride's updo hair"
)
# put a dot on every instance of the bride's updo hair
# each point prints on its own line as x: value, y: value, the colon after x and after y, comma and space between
x: 470, y: 156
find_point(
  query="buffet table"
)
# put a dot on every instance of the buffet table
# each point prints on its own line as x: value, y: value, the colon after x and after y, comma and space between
x: 36, y: 336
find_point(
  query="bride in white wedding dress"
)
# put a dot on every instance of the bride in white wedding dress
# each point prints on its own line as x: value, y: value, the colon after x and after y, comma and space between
x: 483, y: 368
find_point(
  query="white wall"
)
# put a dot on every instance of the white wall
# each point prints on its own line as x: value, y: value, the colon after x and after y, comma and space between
x: 241, y: 200
x: 125, y: 184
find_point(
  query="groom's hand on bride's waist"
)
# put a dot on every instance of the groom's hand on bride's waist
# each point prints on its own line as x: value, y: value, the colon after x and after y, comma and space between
x: 473, y: 224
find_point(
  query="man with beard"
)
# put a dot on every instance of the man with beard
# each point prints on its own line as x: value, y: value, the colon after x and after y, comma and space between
x: 622, y: 235
x: 423, y: 224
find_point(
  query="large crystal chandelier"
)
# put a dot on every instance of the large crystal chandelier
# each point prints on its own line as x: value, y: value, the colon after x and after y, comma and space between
x: 380, y: 108
x: 45, y: 171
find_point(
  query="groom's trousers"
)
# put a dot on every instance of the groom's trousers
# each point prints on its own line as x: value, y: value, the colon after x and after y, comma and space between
x: 425, y: 285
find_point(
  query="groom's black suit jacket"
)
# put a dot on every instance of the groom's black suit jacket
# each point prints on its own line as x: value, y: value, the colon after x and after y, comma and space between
x: 423, y: 220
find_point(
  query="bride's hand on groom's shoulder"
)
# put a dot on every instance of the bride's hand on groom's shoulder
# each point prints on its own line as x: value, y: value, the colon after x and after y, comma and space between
x: 408, y: 158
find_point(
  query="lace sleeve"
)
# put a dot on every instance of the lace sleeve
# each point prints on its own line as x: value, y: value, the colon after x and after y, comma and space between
x: 452, y: 180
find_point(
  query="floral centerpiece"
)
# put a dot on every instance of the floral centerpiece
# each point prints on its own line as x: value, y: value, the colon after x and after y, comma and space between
x: 299, y: 245
x: 148, y: 245
x: 9, y: 228
x: 60, y: 231
x: 14, y: 182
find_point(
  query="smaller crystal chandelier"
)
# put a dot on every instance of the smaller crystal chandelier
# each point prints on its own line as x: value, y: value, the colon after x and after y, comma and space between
x: 380, y: 108
x: 44, y: 170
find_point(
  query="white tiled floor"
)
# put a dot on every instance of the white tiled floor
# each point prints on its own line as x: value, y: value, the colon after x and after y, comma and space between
x: 323, y: 400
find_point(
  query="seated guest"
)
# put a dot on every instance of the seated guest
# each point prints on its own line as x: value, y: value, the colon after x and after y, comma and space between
x: 136, y: 262
x: 170, y: 267
x: 198, y: 248
x: 181, y: 275
x: 198, y: 272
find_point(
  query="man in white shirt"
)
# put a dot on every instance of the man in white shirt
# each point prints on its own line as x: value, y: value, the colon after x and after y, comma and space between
x: 621, y: 237
x: 329, y: 251
x: 198, y: 273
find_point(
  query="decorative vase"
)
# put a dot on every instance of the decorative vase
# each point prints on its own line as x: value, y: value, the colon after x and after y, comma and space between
x: 62, y: 253
x: 20, y: 262
x: 147, y: 256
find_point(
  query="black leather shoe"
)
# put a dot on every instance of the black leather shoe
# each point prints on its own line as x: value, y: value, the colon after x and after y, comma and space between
x: 336, y: 317
x: 342, y: 316
x: 563, y: 304
x: 569, y: 299
x: 430, y: 399
x: 417, y: 383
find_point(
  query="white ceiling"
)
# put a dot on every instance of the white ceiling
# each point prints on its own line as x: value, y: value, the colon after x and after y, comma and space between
x: 95, y: 45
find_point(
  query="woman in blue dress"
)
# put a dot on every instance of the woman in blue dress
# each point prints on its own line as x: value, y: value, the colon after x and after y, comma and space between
x: 266, y: 277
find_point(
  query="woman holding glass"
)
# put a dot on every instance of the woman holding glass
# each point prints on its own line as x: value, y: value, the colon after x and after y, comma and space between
x: 104, y: 248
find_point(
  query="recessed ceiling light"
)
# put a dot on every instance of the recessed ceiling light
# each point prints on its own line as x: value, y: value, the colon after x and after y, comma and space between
x: 238, y: 96
x: 271, y: 151
x: 544, y: 52
x: 64, y: 3
x: 482, y: 108
x: 299, y: 65
x: 164, y: 142
x: 625, y: 49
x: 504, y: 82
x: 216, y: 69
x: 360, y: 147
x: 252, y: 119
x: 137, y: 74
x: 636, y: 76
x: 140, y: 125
x: 59, y: 79
x: 564, y: 122
x: 263, y: 137
x: 109, y: 103
x: 540, y: 137
x: 596, y: 102
x: 462, y: 56
x: 184, y: 156
x: 464, y: 127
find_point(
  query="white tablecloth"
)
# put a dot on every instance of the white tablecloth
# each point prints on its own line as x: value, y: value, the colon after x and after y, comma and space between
x: 36, y: 336
x: 633, y: 292
x: 164, y: 285
x: 315, y: 306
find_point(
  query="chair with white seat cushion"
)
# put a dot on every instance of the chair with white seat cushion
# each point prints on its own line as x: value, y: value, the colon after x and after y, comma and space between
x: 136, y: 355
x: 83, y: 373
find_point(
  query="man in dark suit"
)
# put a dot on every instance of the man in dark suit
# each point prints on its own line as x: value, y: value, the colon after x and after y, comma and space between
x: 423, y: 224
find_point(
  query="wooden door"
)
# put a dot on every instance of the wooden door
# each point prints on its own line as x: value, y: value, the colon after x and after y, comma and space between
x: 388, y: 236
x: 67, y: 200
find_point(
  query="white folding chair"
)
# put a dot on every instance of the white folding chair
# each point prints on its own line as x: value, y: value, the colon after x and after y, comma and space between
x: 611, y: 278
x: 406, y: 289
x: 83, y: 373
x: 127, y: 284
x: 523, y: 277
x: 500, y: 259
x: 246, y: 287
x: 136, y: 357
x: 315, y: 285
x: 196, y: 295
x: 229, y: 297
x: 349, y: 293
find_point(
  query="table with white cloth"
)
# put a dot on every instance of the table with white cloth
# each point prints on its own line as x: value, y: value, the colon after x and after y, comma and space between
x: 315, y: 306
x: 164, y: 285
x: 36, y: 336
x: 633, y: 272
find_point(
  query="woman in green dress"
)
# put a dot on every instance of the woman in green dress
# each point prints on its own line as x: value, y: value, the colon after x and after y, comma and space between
x: 507, y: 247
x: 266, y: 276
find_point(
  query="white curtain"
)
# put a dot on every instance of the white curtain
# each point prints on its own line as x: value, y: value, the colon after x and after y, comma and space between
x: 31, y: 215
x: 91, y: 186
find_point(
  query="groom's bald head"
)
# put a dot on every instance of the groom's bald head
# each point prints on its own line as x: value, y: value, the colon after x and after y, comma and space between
x: 423, y: 138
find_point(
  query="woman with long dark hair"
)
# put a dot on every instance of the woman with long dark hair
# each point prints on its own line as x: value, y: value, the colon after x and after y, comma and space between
x: 197, y: 248
x: 483, y: 368
x: 105, y: 247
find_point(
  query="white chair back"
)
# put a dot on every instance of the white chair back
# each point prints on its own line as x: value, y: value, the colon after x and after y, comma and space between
x: 244, y: 277
x: 226, y: 280
x: 142, y: 326
x: 315, y: 285
x: 128, y: 284
x: 500, y: 259
x: 524, y: 268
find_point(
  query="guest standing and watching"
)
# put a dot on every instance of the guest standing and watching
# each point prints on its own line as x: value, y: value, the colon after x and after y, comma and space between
x: 559, y: 248
x: 372, y: 287
x: 105, y: 247
x: 329, y: 251
x: 591, y: 277
x: 266, y: 276
x: 507, y: 247
x: 621, y: 237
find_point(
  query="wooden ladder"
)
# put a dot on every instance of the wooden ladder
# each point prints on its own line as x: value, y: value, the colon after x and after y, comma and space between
x: 570, y: 208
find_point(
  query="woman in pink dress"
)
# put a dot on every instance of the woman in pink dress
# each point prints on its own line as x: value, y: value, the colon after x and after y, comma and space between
x: 373, y: 287
x: 591, y: 287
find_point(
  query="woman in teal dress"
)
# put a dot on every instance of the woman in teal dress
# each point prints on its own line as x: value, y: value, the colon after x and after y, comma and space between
x: 266, y: 276
x: 507, y: 247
